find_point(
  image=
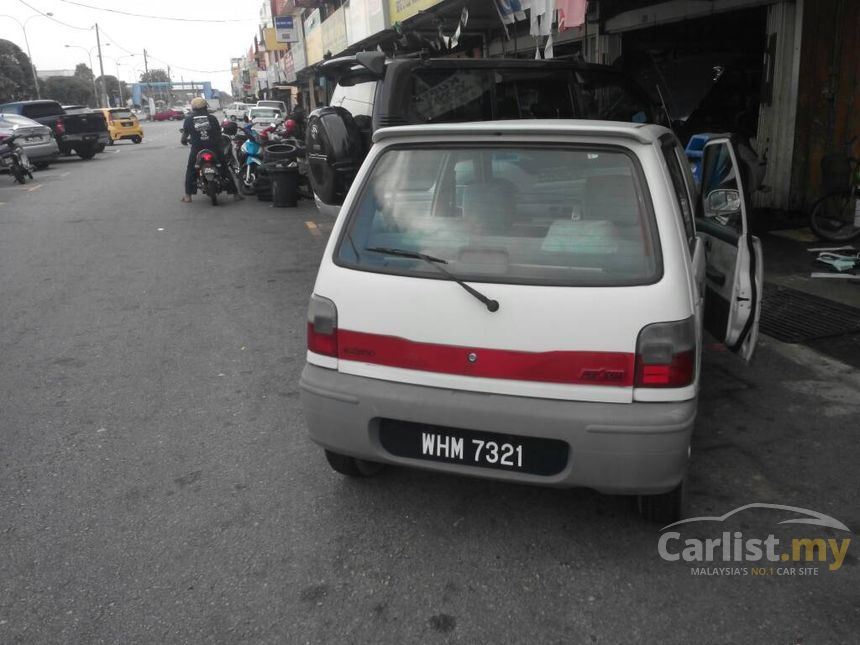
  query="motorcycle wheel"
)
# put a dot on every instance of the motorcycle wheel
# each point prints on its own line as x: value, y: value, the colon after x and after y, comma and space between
x: 247, y: 180
x: 213, y: 191
x: 19, y: 173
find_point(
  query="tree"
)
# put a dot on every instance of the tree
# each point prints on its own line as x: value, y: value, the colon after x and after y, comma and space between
x: 155, y: 76
x: 111, y: 88
x: 84, y: 72
x: 16, y: 74
x: 68, y: 90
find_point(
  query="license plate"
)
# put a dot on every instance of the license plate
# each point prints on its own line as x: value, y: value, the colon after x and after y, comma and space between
x: 493, y: 450
x: 34, y: 139
x: 127, y: 124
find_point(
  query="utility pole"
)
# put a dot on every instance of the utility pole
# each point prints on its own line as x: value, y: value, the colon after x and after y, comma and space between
x: 145, y: 63
x: 103, y: 99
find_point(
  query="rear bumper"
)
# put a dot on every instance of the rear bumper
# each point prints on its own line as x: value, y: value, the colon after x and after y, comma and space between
x: 623, y: 448
x: 89, y: 138
x: 38, y: 152
x: 126, y: 133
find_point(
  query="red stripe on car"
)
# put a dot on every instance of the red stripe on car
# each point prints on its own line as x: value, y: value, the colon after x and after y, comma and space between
x: 569, y: 367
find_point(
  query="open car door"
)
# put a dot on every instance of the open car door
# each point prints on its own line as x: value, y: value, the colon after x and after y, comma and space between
x: 735, y: 268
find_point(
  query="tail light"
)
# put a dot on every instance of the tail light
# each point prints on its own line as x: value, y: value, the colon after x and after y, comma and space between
x: 666, y: 354
x: 322, y: 326
x: 208, y: 157
x: 60, y: 127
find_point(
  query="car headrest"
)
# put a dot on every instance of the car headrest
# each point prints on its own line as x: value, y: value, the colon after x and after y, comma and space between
x: 611, y: 198
x: 489, y: 206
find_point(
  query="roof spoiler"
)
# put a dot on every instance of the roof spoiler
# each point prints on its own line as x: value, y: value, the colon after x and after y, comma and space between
x: 373, y: 62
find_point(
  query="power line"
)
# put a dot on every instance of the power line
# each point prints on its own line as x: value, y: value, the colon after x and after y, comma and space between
x: 44, y: 15
x: 150, y: 17
x: 114, y: 42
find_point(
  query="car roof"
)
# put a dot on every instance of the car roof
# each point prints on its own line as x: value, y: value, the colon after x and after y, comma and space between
x: 640, y: 132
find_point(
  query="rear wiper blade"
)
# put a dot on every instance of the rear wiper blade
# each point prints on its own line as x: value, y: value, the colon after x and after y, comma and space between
x: 489, y: 303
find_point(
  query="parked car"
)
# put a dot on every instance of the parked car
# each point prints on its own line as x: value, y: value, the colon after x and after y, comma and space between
x: 122, y: 124
x: 278, y: 105
x: 265, y: 115
x: 525, y: 301
x: 83, y: 133
x: 374, y: 92
x: 168, y: 114
x: 236, y: 111
x: 37, y: 140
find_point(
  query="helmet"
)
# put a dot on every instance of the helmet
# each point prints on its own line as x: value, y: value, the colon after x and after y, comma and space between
x: 229, y: 127
x: 199, y: 103
x: 290, y: 125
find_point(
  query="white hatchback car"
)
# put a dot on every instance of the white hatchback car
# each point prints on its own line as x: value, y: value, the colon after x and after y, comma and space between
x: 525, y: 301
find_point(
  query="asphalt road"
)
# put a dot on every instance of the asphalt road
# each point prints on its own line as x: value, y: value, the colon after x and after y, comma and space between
x: 157, y: 484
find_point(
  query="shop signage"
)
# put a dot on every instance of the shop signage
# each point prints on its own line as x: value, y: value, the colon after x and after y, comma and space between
x: 400, y: 10
x: 285, y: 29
x: 334, y: 32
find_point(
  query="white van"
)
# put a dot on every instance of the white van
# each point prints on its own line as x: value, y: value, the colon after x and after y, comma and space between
x: 525, y: 300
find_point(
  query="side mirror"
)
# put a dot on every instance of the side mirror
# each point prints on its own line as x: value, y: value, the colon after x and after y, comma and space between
x: 722, y: 202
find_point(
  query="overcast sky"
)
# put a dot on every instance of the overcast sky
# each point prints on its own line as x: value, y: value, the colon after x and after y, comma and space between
x: 186, y: 46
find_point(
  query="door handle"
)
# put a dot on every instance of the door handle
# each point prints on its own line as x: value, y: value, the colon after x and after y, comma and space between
x: 716, y: 276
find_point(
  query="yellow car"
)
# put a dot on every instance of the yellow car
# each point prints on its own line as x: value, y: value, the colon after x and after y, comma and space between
x: 122, y: 124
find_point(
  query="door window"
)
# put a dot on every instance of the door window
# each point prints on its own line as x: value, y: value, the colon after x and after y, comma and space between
x: 682, y: 192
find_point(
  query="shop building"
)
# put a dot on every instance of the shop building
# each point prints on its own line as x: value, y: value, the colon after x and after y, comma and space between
x: 785, y: 73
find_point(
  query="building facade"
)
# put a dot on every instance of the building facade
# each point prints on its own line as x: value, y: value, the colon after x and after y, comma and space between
x: 784, y: 73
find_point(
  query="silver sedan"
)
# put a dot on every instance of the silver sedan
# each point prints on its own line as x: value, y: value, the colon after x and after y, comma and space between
x: 36, y: 139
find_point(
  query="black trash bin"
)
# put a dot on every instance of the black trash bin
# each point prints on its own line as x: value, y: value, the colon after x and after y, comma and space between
x: 285, y: 183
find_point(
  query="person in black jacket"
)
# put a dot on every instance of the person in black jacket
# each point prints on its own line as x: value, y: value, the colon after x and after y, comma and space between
x: 203, y: 131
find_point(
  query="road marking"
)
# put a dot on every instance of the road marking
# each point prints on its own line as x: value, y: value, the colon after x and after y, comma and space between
x: 313, y: 229
x: 34, y: 188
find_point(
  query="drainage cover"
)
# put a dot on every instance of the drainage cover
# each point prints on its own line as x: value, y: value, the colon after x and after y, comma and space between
x: 796, y: 317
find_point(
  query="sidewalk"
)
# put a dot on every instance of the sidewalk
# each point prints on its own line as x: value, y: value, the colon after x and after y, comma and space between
x: 787, y: 263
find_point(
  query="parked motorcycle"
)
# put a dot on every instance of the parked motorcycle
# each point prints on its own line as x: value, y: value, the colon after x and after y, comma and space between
x: 250, y: 158
x: 13, y: 158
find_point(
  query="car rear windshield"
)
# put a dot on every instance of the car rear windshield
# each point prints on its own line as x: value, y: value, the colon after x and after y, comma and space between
x: 548, y: 215
x: 121, y: 114
x: 265, y: 113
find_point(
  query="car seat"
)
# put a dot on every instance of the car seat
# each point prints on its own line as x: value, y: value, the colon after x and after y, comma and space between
x: 489, y: 207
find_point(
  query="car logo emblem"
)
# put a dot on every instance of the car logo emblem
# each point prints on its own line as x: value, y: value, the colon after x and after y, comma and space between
x: 472, y: 357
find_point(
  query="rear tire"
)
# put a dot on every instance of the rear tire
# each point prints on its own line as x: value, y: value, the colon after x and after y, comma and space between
x: 86, y: 153
x: 110, y: 142
x: 136, y: 139
x: 832, y: 217
x: 41, y: 165
x: 212, y: 189
x: 664, y: 508
x: 19, y: 173
x: 352, y: 467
